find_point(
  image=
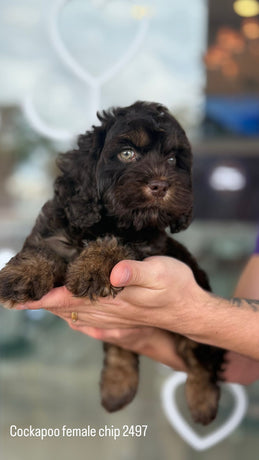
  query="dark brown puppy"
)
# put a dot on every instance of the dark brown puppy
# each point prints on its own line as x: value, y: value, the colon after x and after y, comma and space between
x: 129, y: 179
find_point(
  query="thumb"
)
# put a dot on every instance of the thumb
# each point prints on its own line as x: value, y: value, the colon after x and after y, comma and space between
x: 136, y: 273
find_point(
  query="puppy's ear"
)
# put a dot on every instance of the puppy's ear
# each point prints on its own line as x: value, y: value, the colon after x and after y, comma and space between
x: 75, y: 189
x: 184, y: 208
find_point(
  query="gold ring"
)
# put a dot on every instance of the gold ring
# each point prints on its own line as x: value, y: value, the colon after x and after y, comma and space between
x: 74, y: 316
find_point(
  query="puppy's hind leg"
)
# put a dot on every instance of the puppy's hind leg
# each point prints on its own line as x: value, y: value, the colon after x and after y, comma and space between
x: 202, y: 396
x: 119, y: 379
x: 204, y: 368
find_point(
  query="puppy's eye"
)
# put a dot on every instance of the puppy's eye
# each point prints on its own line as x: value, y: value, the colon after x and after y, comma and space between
x: 127, y: 155
x: 171, y: 160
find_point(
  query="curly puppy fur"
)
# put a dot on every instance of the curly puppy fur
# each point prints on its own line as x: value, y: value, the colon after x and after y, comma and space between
x: 127, y: 181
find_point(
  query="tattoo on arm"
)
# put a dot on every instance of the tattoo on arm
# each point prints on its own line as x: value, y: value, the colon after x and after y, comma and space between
x: 253, y: 304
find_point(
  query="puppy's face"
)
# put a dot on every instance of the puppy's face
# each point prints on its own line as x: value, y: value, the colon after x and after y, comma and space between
x: 144, y: 171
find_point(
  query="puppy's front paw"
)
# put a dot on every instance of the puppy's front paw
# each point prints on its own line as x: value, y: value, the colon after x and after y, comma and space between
x: 92, y: 283
x: 89, y: 274
x: 24, y: 279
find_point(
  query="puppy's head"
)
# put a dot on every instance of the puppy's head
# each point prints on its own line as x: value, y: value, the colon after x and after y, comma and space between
x: 135, y: 166
x: 144, y: 169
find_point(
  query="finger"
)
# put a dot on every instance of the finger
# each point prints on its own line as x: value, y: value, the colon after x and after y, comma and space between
x: 98, y: 333
x: 94, y: 332
x: 56, y: 298
x: 117, y: 334
x: 146, y: 273
x: 114, y: 335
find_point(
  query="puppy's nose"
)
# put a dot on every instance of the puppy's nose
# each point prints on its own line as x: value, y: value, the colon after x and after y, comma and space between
x: 158, y: 187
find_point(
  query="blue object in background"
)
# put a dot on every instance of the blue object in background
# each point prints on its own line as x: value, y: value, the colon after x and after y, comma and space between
x: 239, y: 114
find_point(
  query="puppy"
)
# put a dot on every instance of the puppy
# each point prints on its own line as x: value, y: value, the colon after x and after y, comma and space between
x: 127, y: 181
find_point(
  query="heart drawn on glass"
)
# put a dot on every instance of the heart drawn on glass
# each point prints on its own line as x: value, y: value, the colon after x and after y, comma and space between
x: 75, y: 66
x: 95, y: 82
x: 183, y: 428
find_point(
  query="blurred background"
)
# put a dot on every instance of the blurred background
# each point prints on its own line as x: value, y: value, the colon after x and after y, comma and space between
x: 60, y: 62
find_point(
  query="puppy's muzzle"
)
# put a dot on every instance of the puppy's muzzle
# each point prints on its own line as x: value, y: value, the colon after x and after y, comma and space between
x: 158, y: 188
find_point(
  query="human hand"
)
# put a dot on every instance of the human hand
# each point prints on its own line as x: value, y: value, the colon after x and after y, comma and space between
x: 154, y: 343
x: 159, y: 292
x: 132, y: 319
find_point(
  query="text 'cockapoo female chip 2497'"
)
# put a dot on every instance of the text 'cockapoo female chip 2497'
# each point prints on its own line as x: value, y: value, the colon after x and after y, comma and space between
x: 127, y: 181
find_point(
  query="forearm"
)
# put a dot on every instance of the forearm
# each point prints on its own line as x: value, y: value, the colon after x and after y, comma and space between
x: 236, y: 322
x: 232, y: 324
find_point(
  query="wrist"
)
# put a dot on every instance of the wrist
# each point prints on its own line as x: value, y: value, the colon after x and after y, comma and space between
x: 185, y: 313
x: 198, y: 313
x: 208, y: 317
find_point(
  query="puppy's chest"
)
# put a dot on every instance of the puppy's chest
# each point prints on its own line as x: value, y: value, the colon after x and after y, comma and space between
x: 142, y: 245
x: 147, y: 247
